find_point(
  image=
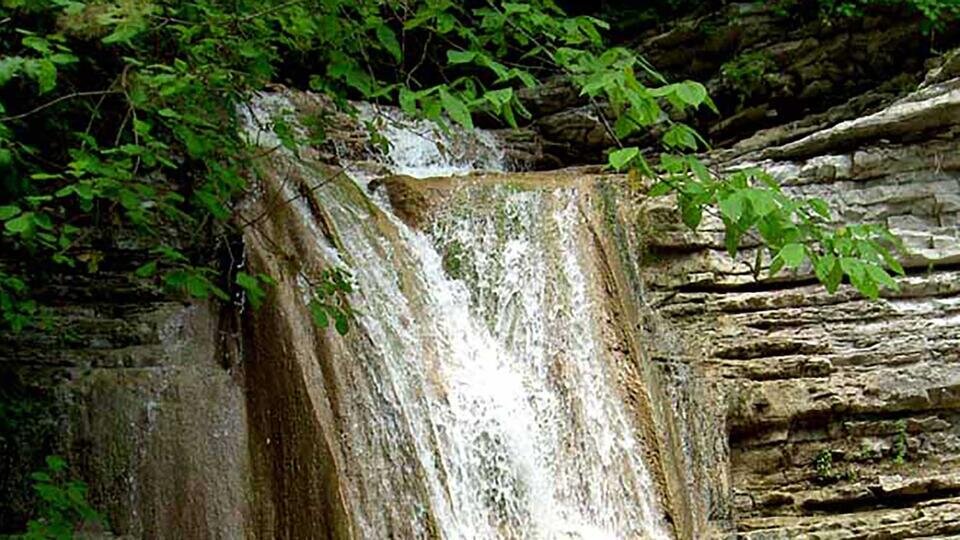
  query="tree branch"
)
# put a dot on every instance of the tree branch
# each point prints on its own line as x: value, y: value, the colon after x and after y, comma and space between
x: 53, y: 102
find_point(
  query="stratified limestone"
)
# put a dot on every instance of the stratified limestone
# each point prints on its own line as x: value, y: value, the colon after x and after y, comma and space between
x: 843, y: 414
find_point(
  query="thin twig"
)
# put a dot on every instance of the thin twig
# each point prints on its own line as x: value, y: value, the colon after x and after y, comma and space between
x: 423, y: 58
x: 273, y: 9
x: 299, y: 195
x: 93, y: 116
x: 123, y: 126
x: 605, y: 122
x: 53, y: 102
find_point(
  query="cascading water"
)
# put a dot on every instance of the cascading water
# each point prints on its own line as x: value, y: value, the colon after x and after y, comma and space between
x: 421, y: 149
x: 475, y: 396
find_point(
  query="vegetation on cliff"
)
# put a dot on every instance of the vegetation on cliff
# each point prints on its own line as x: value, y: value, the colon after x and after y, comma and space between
x: 119, y: 123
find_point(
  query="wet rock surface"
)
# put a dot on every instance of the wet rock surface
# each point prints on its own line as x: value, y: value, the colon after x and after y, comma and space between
x: 797, y: 414
x: 134, y: 390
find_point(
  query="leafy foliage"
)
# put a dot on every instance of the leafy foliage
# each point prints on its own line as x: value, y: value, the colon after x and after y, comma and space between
x: 823, y: 463
x: 792, y: 231
x: 745, y: 73
x: 16, y: 309
x: 900, y: 443
x: 937, y: 14
x: 119, y: 118
x: 63, y: 508
x: 328, y: 302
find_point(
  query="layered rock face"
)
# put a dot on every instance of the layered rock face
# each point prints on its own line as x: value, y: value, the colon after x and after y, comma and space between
x: 763, y: 66
x: 765, y: 408
x: 138, y: 394
x: 841, y: 413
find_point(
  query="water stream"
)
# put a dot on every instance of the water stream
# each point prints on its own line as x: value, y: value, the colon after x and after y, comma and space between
x: 475, y: 395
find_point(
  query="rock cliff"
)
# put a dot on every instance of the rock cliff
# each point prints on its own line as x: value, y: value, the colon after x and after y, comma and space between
x: 841, y: 414
x: 795, y: 413
x: 763, y: 66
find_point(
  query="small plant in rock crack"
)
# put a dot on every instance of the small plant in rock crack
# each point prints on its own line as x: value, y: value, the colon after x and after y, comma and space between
x: 823, y: 464
x: 329, y: 299
x: 746, y: 72
x: 828, y: 472
x: 868, y: 452
x: 63, y: 509
x: 900, y: 443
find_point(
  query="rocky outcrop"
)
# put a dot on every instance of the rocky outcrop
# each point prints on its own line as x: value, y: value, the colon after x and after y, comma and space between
x: 764, y: 67
x: 136, y: 391
x: 842, y: 414
x: 768, y: 408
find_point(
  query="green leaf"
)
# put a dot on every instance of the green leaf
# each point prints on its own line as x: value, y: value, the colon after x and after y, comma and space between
x: 732, y: 206
x: 624, y: 126
x: 45, y: 73
x: 456, y: 109
x: 792, y: 255
x: 341, y: 323
x: 319, y: 313
x: 691, y: 93
x: 10, y: 66
x: 41, y: 476
x: 776, y: 265
x: 731, y: 240
x: 761, y: 200
x: 499, y: 98
x: 63, y: 58
x: 508, y: 115
x: 691, y: 213
x: 56, y: 463
x: 460, y: 57
x: 832, y: 282
x: 659, y: 189
x: 619, y: 159
x: 408, y: 101
x: 22, y: 224
x: 388, y: 39
x: 699, y: 169
x: 673, y: 163
x: 859, y: 277
x: 820, y: 207
x: 250, y: 284
x: 882, y: 277
x: 197, y: 286
x: 7, y: 212
x: 823, y: 265
x: 122, y: 33
x: 680, y: 136
x: 36, y: 43
x: 515, y: 7
x: 147, y: 270
x: 43, y: 221
x: 891, y: 261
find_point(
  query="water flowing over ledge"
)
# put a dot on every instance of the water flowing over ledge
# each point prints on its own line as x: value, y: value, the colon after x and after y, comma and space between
x: 489, y: 388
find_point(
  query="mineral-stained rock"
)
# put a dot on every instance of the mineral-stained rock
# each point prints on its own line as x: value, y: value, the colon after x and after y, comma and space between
x: 136, y: 391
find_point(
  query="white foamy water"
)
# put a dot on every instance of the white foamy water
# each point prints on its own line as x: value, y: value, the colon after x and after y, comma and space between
x: 477, y: 400
x: 421, y: 149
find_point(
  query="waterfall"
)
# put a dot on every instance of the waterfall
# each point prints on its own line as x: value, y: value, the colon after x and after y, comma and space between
x: 476, y: 395
x: 423, y: 149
